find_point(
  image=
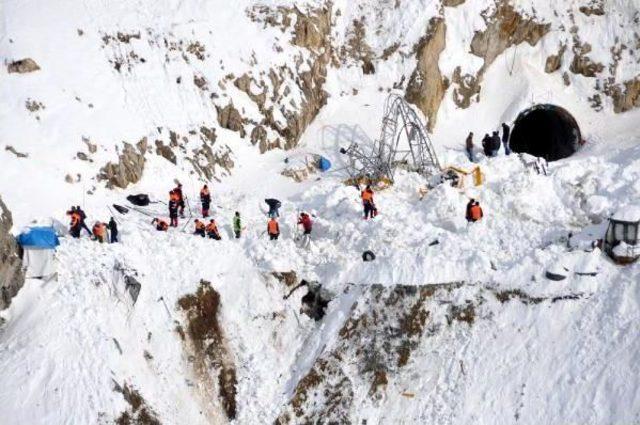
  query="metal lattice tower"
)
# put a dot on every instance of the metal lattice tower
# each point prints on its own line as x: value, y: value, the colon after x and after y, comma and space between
x: 399, y: 122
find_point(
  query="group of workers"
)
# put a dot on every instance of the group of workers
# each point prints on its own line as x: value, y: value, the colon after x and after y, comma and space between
x: 101, y: 232
x: 490, y: 144
x: 104, y: 232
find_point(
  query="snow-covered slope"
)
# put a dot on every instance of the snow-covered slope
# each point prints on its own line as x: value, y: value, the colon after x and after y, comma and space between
x: 198, y: 90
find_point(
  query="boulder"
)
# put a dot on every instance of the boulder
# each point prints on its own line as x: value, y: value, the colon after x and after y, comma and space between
x: 23, y: 66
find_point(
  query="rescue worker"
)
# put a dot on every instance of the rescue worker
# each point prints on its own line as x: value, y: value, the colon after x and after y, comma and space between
x: 506, y: 131
x: 237, y: 225
x: 274, y: 205
x: 469, y: 147
x: 495, y: 143
x: 486, y: 144
x: 113, y: 230
x: 273, y: 229
x: 161, y: 225
x: 370, y: 210
x: 173, y: 208
x: 83, y: 218
x: 212, y: 230
x: 100, y: 232
x: 199, y: 228
x: 474, y: 211
x: 180, y: 196
x: 74, y: 225
x: 205, y: 199
x: 305, y: 221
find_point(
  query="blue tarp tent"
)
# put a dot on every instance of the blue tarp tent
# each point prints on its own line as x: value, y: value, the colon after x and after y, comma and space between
x: 39, y: 237
x: 39, y: 244
x: 324, y: 164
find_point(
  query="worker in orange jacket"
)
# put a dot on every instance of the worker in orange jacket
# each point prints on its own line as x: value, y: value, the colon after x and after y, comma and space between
x: 474, y: 211
x: 273, y: 229
x: 199, y: 228
x: 76, y: 222
x: 161, y: 225
x: 369, y: 206
x: 100, y: 232
x: 212, y: 230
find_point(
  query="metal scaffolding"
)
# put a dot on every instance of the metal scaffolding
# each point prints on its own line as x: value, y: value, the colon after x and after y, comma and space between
x: 400, y: 123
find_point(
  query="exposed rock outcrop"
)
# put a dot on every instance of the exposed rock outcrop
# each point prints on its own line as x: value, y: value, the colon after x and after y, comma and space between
x: 554, y: 62
x: 625, y: 96
x: 427, y: 85
x: 282, y: 116
x: 505, y: 28
x: 230, y: 118
x: 23, y: 66
x: 582, y: 64
x: 129, y: 167
x: 11, y: 275
x: 165, y: 151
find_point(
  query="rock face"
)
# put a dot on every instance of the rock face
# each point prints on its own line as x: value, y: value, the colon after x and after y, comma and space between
x: 627, y: 98
x: 505, y: 28
x: 230, y: 118
x: 284, y: 119
x: 129, y: 167
x: 11, y: 275
x: 23, y: 66
x: 427, y: 85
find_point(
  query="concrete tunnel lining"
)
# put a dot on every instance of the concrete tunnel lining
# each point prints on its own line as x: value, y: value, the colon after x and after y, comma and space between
x: 547, y: 131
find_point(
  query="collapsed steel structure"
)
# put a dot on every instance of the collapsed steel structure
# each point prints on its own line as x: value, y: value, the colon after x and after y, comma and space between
x: 388, y: 153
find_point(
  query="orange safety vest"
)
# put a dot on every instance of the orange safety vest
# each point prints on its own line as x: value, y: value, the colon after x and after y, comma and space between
x: 199, y: 225
x: 273, y: 228
x: 174, y: 196
x: 162, y: 225
x: 212, y: 228
x: 476, y: 212
x: 75, y: 219
x: 367, y: 196
x: 204, y: 192
x: 99, y: 230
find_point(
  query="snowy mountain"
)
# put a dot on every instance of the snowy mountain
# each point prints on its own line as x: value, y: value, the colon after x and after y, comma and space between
x: 451, y: 323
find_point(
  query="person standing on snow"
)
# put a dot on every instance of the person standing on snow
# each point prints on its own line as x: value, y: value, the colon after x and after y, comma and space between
x: 370, y: 210
x: 205, y: 199
x: 495, y: 143
x: 100, y: 232
x: 180, y: 196
x: 274, y: 205
x: 74, y: 226
x: 212, y: 230
x: 474, y: 211
x: 83, y: 218
x: 173, y: 208
x: 273, y: 229
x: 113, y: 230
x: 305, y: 221
x: 237, y: 225
x: 505, y: 138
x: 469, y: 147
x: 199, y: 228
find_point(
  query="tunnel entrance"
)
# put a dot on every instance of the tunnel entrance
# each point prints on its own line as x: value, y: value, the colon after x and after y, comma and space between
x: 547, y: 131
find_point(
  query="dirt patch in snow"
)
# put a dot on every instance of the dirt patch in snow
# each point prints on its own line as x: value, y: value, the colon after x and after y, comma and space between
x: 213, y: 360
x: 138, y: 413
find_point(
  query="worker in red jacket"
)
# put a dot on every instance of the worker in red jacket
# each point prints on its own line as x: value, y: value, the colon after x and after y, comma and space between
x: 305, y: 221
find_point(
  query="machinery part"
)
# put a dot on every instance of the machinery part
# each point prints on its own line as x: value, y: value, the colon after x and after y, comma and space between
x: 403, y: 140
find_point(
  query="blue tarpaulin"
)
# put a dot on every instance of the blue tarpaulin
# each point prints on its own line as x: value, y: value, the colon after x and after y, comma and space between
x: 39, y: 237
x: 324, y: 164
